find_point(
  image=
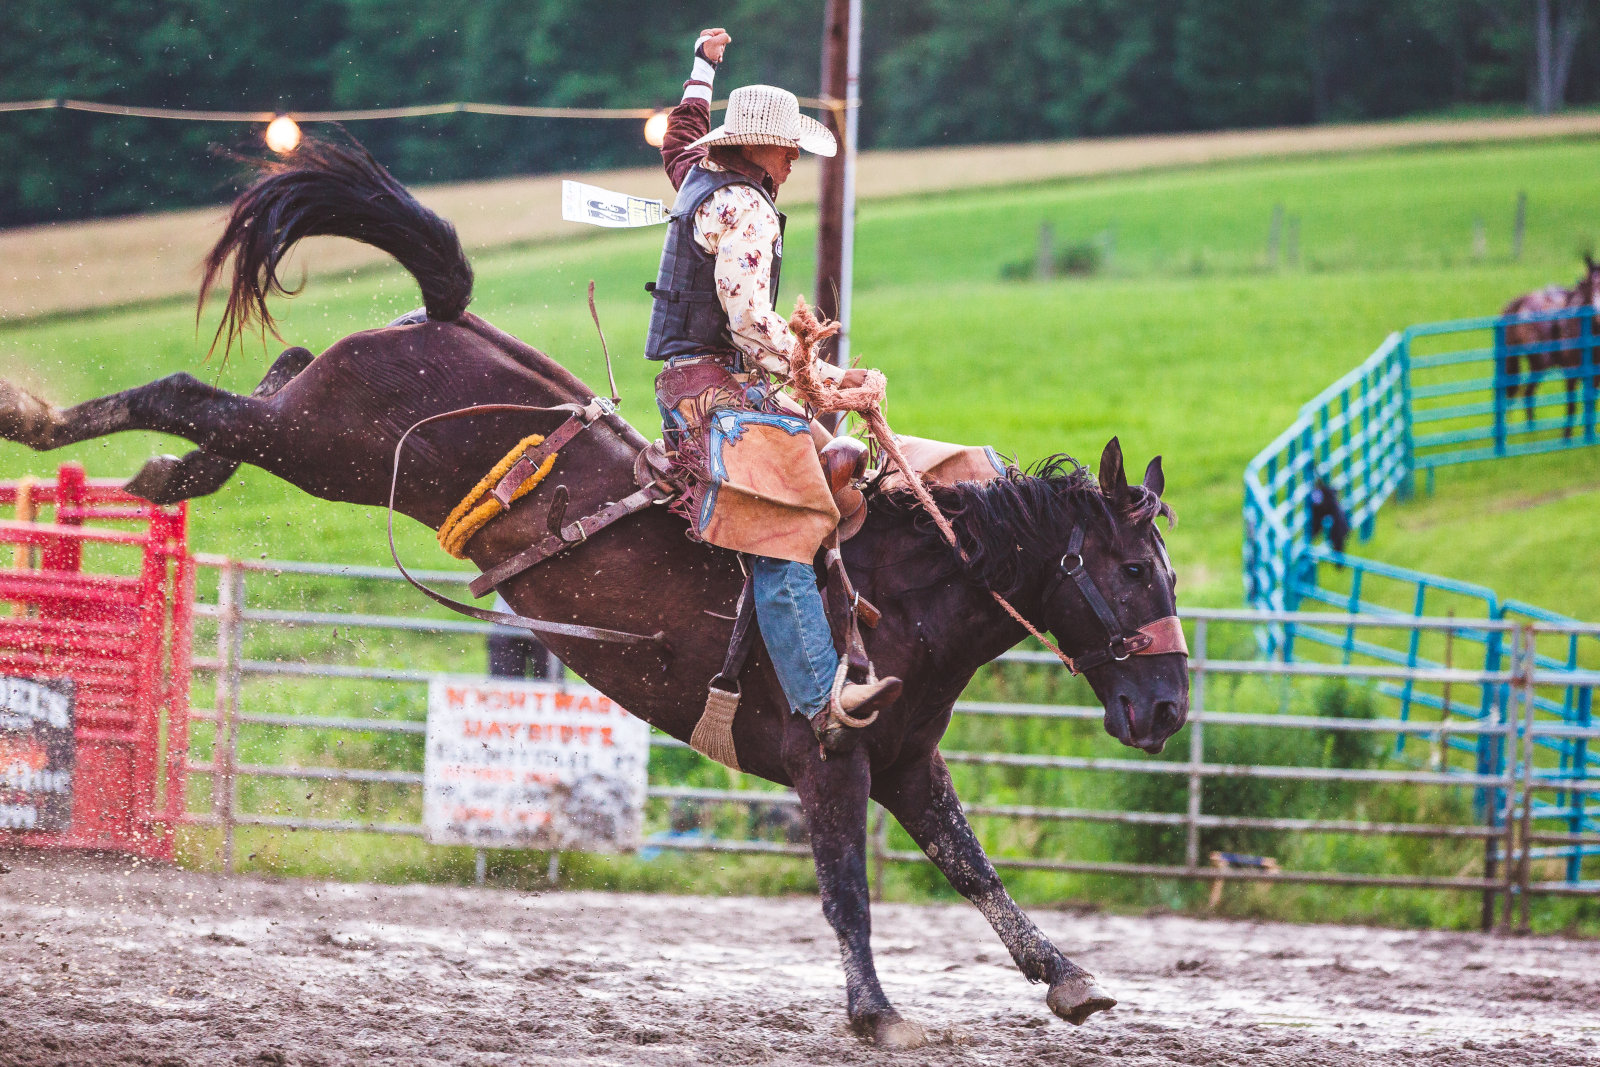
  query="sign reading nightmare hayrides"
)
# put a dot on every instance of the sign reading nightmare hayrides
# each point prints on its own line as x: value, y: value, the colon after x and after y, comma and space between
x: 513, y: 764
x: 37, y: 751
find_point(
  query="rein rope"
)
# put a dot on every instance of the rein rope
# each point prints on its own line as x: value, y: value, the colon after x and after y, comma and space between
x: 866, y: 401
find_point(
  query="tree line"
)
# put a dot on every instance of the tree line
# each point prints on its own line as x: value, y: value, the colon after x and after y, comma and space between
x: 935, y: 72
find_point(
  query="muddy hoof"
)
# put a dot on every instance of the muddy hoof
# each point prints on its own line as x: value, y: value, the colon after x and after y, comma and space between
x: 1077, y: 999
x: 154, y: 480
x: 898, y: 1033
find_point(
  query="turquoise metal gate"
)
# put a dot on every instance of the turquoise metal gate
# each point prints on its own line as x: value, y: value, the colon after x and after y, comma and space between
x: 1431, y: 396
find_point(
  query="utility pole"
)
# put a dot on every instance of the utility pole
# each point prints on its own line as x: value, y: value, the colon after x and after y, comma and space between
x: 840, y: 38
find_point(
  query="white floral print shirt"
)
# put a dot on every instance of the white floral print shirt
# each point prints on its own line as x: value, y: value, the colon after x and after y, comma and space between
x: 737, y: 226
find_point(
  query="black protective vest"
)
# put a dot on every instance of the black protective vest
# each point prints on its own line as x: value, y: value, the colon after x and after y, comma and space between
x: 688, y: 319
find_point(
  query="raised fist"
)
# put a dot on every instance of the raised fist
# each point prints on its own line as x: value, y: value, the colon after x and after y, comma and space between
x: 712, y: 43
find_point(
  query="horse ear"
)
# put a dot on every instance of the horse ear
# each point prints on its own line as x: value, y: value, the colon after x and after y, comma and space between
x: 1154, y: 480
x: 1588, y: 261
x: 1113, y: 480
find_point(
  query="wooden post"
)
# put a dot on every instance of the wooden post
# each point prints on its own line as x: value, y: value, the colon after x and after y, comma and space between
x: 841, y: 62
x: 1275, y: 237
x: 1480, y: 240
x: 1044, y: 259
x: 1519, y: 225
x: 830, y: 204
x: 24, y: 557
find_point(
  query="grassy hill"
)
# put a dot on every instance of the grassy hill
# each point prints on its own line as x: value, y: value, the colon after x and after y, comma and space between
x: 1188, y: 343
x: 1191, y: 342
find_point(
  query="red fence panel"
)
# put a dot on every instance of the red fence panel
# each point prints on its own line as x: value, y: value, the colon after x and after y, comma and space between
x: 120, y: 631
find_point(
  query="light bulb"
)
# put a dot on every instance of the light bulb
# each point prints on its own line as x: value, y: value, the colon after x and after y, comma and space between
x: 655, y: 129
x: 283, y: 135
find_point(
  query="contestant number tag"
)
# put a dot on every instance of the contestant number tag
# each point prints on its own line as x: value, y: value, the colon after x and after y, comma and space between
x: 602, y: 207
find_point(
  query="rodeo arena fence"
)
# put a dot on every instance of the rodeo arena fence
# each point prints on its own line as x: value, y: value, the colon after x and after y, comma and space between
x: 1431, y: 396
x: 316, y: 674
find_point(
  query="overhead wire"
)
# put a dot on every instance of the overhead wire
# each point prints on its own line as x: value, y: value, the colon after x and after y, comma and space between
x: 464, y: 107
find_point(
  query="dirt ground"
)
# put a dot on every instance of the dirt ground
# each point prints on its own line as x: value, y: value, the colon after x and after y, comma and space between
x: 79, y: 265
x: 105, y: 963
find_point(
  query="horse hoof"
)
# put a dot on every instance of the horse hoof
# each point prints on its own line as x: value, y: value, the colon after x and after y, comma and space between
x: 1078, y: 998
x: 154, y: 480
x: 898, y: 1033
x: 24, y: 418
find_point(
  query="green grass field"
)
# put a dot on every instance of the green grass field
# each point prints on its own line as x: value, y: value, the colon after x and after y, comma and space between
x: 1189, y: 344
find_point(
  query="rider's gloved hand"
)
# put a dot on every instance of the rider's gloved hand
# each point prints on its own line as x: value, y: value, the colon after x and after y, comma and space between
x: 708, y: 50
x: 711, y: 44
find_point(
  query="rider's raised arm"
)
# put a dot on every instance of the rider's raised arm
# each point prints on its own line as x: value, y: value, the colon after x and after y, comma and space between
x: 691, y: 119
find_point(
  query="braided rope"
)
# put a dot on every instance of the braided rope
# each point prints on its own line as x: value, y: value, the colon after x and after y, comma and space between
x: 866, y: 401
x: 478, y: 507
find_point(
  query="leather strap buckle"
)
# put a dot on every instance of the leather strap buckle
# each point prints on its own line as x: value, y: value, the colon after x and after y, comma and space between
x: 507, y: 486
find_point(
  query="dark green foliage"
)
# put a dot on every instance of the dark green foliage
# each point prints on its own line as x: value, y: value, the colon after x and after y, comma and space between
x: 934, y: 72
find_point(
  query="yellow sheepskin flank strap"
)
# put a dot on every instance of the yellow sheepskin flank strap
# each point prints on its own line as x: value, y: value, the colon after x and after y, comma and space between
x: 478, y: 506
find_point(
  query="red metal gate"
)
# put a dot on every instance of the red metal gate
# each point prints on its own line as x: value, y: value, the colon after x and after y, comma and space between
x: 120, y: 629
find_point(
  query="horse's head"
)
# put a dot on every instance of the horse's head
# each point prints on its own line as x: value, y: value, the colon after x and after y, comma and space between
x: 1111, y: 602
x: 1086, y: 562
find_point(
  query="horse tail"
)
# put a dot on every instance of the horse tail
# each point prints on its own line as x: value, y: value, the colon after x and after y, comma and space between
x: 330, y: 190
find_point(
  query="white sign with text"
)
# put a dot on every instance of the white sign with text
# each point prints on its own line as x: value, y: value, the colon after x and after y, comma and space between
x: 602, y: 207
x: 527, y: 764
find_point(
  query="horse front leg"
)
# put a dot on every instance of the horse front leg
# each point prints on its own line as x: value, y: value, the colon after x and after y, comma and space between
x: 833, y: 794
x: 921, y: 795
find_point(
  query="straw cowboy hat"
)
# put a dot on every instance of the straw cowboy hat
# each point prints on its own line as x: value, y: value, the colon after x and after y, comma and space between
x: 765, y: 114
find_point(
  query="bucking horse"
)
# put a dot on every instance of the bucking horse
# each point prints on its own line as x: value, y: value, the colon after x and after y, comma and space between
x: 636, y: 608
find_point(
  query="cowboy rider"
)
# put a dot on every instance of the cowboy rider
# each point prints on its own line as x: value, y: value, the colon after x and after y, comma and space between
x: 713, y: 304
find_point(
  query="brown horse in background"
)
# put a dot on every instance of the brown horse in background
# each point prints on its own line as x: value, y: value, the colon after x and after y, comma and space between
x: 1567, y: 331
x: 329, y: 425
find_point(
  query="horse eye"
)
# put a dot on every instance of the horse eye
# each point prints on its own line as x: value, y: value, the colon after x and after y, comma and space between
x: 1136, y: 571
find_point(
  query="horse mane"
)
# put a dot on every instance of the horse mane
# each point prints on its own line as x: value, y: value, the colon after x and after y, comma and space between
x: 329, y: 190
x: 1009, y: 525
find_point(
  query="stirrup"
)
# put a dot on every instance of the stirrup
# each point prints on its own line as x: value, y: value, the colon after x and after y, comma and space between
x: 872, y: 697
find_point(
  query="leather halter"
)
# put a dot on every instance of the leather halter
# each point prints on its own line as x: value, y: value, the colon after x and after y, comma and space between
x: 1157, y: 638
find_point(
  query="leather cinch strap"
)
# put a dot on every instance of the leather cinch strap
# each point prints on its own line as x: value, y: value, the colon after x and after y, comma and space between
x: 580, y: 417
x: 575, y: 533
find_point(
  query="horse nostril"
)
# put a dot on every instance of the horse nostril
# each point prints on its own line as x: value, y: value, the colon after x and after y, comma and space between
x: 1167, y: 719
x: 1127, y: 716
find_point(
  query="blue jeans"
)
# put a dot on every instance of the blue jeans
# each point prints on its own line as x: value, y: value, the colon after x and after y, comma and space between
x: 794, y: 627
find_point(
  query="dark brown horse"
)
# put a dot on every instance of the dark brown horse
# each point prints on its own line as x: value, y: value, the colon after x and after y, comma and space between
x: 1565, y: 332
x: 330, y: 425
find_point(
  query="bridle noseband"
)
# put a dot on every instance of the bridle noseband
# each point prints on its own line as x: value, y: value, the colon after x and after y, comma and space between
x: 1157, y: 638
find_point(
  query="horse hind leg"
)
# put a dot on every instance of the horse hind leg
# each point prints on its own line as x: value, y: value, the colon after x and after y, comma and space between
x: 168, y: 479
x: 179, y: 404
x: 922, y: 797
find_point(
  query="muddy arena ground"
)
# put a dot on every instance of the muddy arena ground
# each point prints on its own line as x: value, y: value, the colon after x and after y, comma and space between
x: 105, y: 963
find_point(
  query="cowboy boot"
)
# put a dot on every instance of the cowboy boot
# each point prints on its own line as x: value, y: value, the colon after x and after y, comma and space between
x: 858, y: 706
